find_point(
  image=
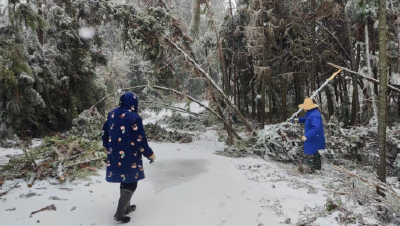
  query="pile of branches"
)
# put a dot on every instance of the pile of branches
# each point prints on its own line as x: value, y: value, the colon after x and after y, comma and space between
x: 155, y: 132
x: 57, y: 157
x: 360, y: 144
x: 88, y: 124
x: 282, y: 142
x: 278, y: 141
x: 190, y: 123
x: 356, y: 201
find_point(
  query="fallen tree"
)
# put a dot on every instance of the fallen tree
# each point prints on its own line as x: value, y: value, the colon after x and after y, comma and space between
x: 212, y: 82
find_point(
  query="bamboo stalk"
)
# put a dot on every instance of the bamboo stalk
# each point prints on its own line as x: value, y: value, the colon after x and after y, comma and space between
x: 31, y: 180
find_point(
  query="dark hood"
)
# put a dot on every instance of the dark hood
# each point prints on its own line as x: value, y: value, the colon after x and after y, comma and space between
x: 129, y: 100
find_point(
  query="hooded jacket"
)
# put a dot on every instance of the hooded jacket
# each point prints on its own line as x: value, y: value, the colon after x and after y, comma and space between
x: 124, y: 138
x: 314, y: 132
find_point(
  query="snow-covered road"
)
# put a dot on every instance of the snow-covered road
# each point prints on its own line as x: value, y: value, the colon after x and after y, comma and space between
x: 187, y: 186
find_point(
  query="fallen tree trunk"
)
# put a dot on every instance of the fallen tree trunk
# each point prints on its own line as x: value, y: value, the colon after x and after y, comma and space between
x: 364, y: 76
x: 217, y: 88
x: 202, y: 105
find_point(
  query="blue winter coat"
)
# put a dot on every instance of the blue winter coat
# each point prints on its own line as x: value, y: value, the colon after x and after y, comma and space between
x: 126, y: 143
x: 314, y: 131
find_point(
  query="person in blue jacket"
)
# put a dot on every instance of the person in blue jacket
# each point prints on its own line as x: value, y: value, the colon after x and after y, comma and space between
x: 314, y: 137
x: 124, y: 138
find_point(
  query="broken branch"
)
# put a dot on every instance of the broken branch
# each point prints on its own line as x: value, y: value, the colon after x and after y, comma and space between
x: 373, y: 183
x: 51, y: 207
x: 4, y: 193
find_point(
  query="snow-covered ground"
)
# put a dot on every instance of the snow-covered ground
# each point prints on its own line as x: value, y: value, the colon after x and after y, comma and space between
x: 187, y: 186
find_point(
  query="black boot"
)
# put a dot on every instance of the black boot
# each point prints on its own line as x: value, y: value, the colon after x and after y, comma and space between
x: 130, y: 208
x: 123, y: 203
x: 317, y: 161
x: 311, y: 164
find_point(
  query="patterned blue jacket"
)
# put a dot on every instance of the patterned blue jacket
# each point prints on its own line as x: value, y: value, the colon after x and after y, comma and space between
x: 314, y: 131
x: 126, y: 142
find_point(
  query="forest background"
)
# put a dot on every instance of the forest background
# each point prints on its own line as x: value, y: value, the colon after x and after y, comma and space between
x: 254, y: 61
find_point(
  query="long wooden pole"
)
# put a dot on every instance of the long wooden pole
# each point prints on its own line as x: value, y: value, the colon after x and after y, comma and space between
x: 318, y: 90
x: 365, y: 76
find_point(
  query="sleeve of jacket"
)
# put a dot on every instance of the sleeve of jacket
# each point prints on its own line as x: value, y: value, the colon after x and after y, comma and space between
x: 143, y: 144
x: 315, y: 125
x: 302, y: 120
x: 104, y: 134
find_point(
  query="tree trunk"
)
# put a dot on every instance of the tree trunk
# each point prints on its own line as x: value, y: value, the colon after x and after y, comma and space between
x: 253, y: 101
x: 270, y: 102
x: 218, y: 106
x: 40, y: 32
x: 382, y: 108
x: 298, y: 89
x: 371, y: 85
x: 284, y: 94
x: 282, y: 69
x: 263, y: 92
x: 353, y: 119
x: 313, y: 49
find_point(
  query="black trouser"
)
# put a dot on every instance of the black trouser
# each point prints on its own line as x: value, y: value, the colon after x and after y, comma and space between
x: 129, y: 186
x: 314, y: 161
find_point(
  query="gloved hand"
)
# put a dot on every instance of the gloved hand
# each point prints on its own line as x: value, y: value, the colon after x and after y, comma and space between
x: 295, y: 120
x: 152, y: 158
x: 303, y: 138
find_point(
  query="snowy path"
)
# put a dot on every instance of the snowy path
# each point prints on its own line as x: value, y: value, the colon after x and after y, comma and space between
x: 187, y: 186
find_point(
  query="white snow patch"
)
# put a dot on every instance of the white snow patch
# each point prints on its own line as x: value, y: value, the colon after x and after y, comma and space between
x: 86, y: 32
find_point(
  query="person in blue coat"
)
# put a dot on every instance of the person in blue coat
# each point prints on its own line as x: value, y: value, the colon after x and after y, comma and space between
x: 124, y: 138
x: 314, y: 137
